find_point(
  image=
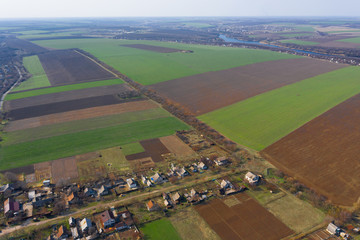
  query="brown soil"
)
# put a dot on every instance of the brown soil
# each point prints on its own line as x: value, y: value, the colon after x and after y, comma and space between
x: 65, y: 106
x: 25, y: 170
x: 176, y: 146
x: 213, y: 90
x: 152, y: 48
x: 68, y: 67
x: 153, y: 149
x: 80, y: 114
x: 323, y: 153
x: 65, y: 96
x: 65, y: 168
x: 25, y: 45
x: 246, y: 220
x: 142, y: 164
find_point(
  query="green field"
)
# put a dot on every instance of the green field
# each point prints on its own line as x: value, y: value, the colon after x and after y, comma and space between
x: 351, y: 40
x: 160, y: 229
x: 46, y: 34
x: 260, y: 121
x: 299, y: 42
x: 132, y: 148
x: 66, y: 145
x: 147, y: 67
x: 58, y: 129
x: 291, y: 35
x: 38, y: 79
x: 65, y: 88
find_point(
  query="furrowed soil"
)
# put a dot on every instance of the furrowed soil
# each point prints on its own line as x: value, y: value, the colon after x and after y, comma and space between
x: 65, y: 106
x: 26, y: 46
x: 209, y: 91
x: 245, y: 220
x: 176, y: 146
x: 321, y: 153
x: 153, y: 149
x: 80, y: 115
x: 67, y: 67
x: 65, y: 96
x: 152, y: 48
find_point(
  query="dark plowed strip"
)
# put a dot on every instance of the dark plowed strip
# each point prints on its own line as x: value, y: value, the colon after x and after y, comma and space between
x: 65, y: 96
x: 152, y: 48
x: 21, y: 170
x: 324, y: 153
x: 209, y: 91
x: 153, y: 148
x: 67, y: 67
x: 45, y: 109
x: 24, y: 45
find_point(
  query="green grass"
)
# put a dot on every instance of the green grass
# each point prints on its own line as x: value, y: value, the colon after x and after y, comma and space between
x: 132, y: 148
x: 38, y: 79
x: 160, y: 229
x: 299, y: 42
x: 66, y: 145
x: 148, y: 67
x: 260, y: 121
x: 46, y: 34
x: 291, y: 35
x: 65, y: 88
x: 351, y: 40
x: 58, y: 129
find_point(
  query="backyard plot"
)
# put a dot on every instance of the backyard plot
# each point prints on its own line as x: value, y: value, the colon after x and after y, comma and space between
x: 160, y: 229
x: 213, y: 90
x: 321, y: 153
x: 153, y: 149
x: 68, y: 67
x: 245, y: 220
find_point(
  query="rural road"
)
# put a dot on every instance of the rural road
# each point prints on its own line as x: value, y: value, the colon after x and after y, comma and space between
x: 4, y: 95
x: 9, y: 230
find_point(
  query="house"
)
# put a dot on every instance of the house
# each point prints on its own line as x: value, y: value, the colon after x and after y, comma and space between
x: 71, y: 199
x: 89, y: 192
x: 6, y: 189
x: 167, y: 203
x: 61, y: 233
x: 28, y: 209
x: 75, y: 233
x: 103, y: 191
x: 85, y: 224
x: 202, y: 166
x: 39, y: 202
x: 333, y: 229
x: 176, y: 198
x: 221, y: 161
x: 152, y: 206
x: 131, y: 183
x: 225, y: 184
x: 72, y: 222
x: 46, y: 183
x: 11, y: 206
x: 125, y: 216
x: 194, y: 169
x: 165, y: 196
x: 107, y: 219
x: 182, y: 172
x: 252, y: 178
x: 120, y: 226
x: 146, y: 181
x: 157, y: 179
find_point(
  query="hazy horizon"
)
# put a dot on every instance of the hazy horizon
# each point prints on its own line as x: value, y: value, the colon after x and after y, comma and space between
x: 20, y: 9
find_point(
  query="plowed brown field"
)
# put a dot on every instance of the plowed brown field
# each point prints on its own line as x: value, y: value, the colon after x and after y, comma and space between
x: 245, y: 220
x: 153, y: 149
x: 176, y: 146
x: 65, y: 96
x: 323, y: 153
x: 65, y: 106
x: 25, y: 45
x: 152, y: 48
x: 209, y: 91
x: 67, y: 67
x: 80, y: 114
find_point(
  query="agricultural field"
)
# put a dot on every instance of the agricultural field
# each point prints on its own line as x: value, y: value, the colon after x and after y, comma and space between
x: 207, y: 92
x: 299, y: 42
x: 38, y: 79
x: 262, y: 120
x: 241, y: 217
x: 351, y: 40
x: 148, y: 67
x: 321, y: 153
x: 160, y: 229
x: 68, y: 67
x: 49, y: 90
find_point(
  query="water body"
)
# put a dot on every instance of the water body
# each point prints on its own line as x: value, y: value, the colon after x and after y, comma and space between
x: 233, y: 40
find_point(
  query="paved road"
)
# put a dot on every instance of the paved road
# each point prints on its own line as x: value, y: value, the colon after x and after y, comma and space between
x: 4, y: 95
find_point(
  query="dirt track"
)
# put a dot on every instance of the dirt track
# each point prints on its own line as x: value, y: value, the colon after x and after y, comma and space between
x: 68, y: 67
x: 80, y: 114
x: 65, y: 96
x: 152, y: 48
x: 323, y: 154
x: 245, y: 220
x: 213, y: 90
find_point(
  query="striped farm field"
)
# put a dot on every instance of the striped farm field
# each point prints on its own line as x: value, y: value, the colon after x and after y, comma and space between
x: 38, y: 79
x: 260, y: 121
x: 66, y: 145
x: 149, y: 67
x: 49, y: 90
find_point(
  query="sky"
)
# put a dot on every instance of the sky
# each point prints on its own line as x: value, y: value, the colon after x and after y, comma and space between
x: 166, y: 8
